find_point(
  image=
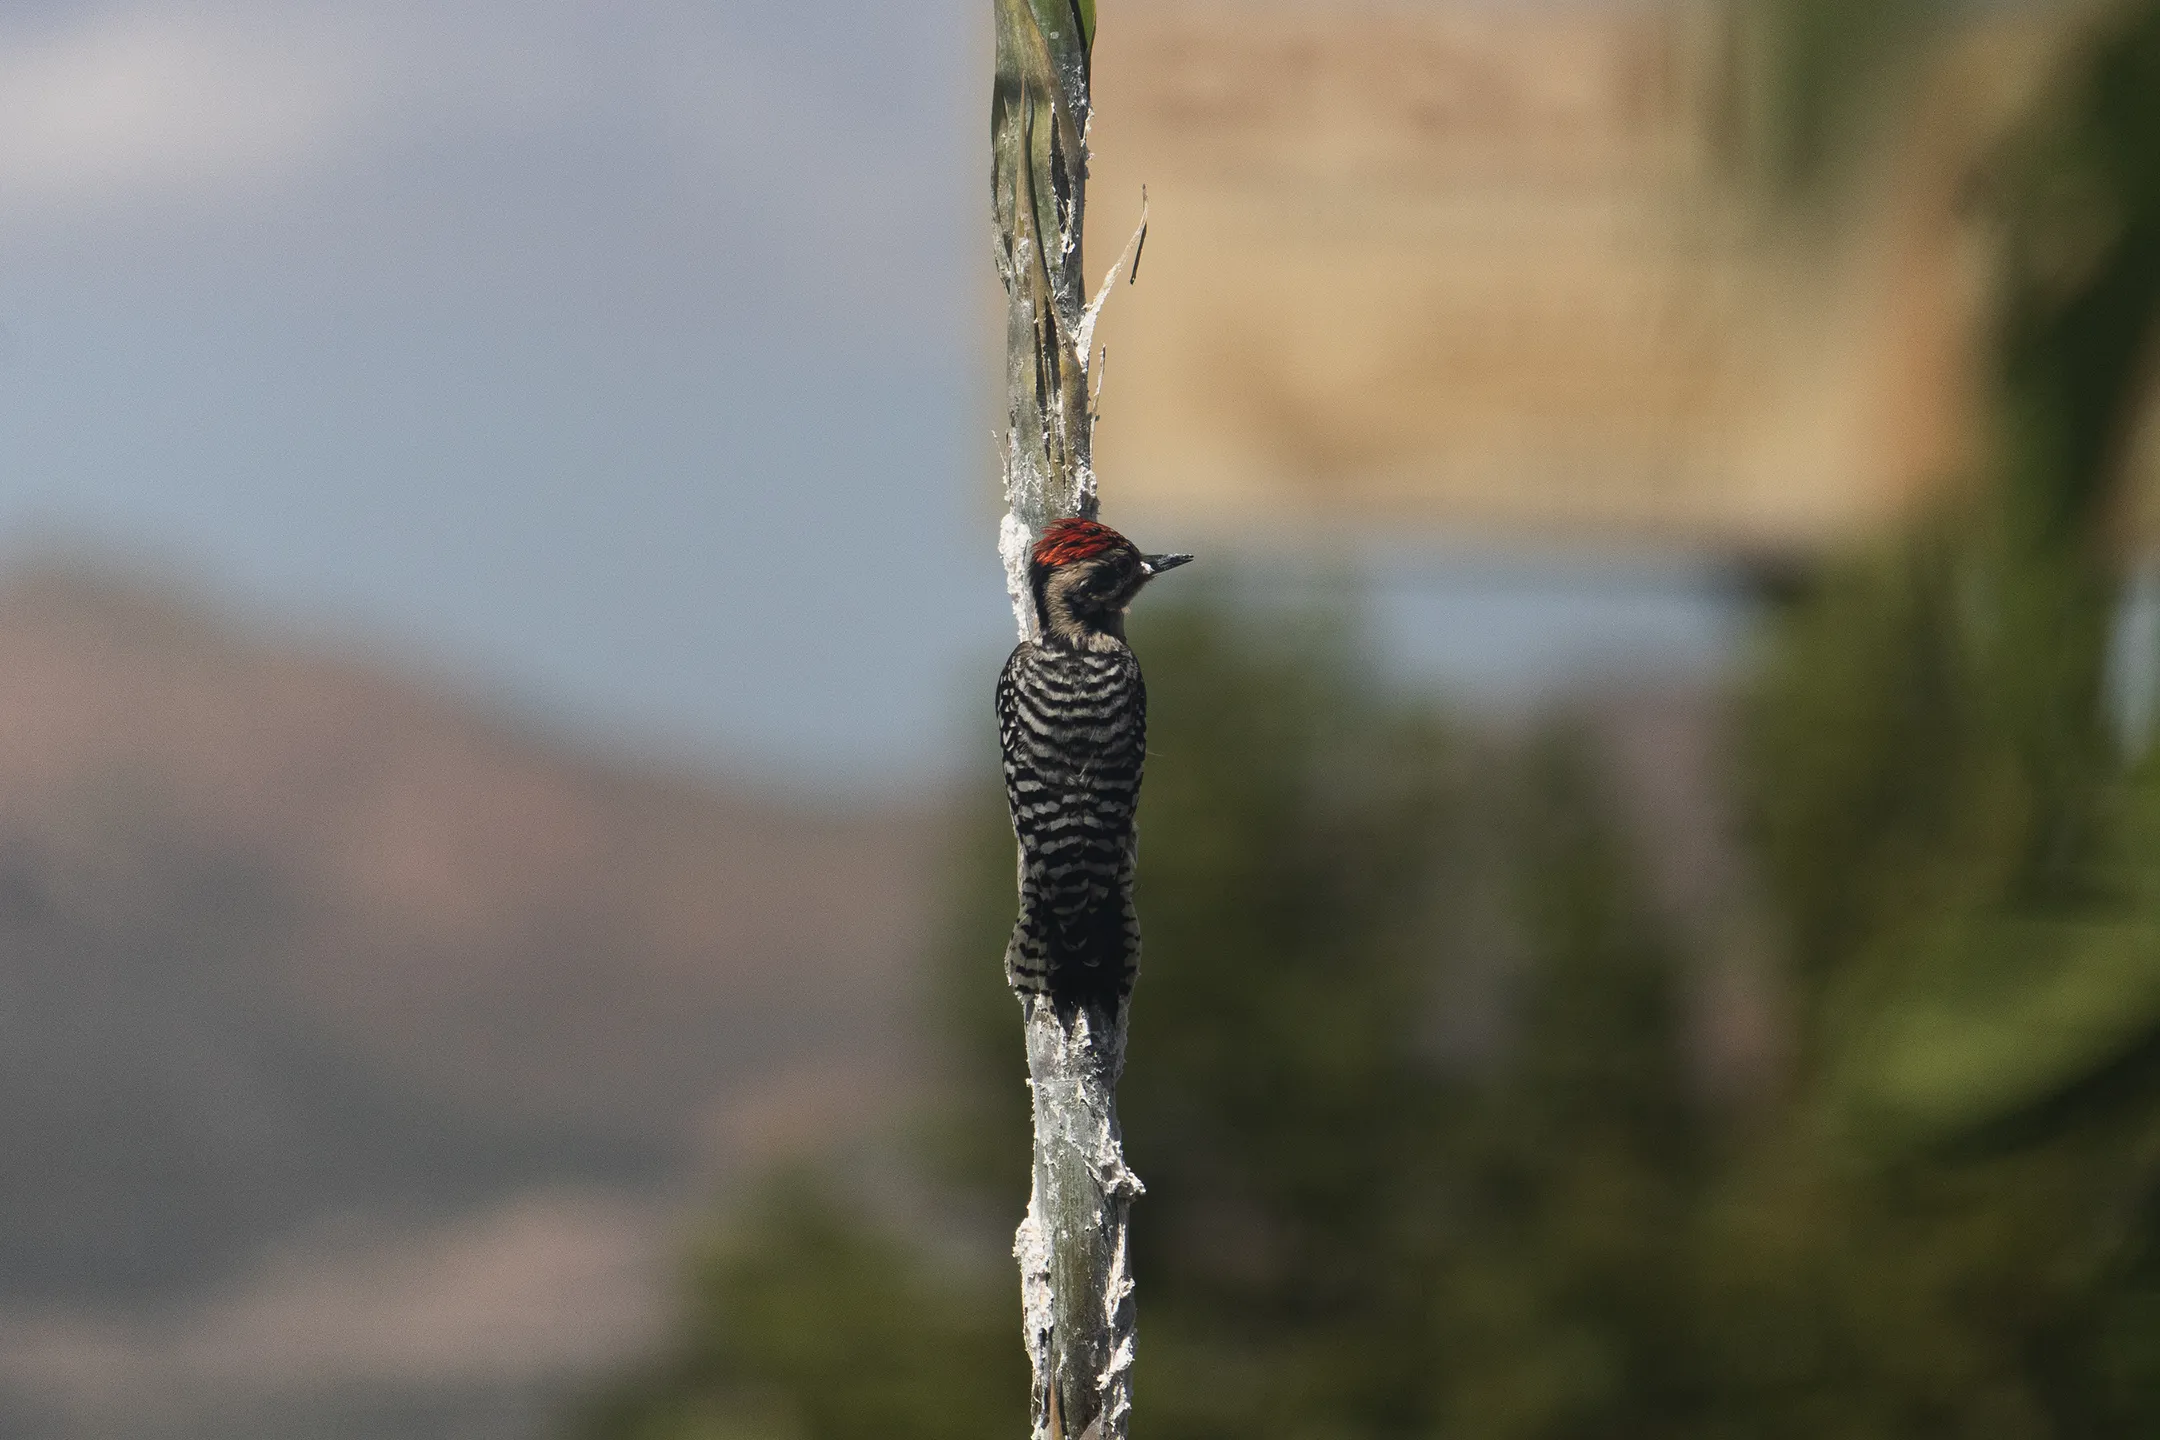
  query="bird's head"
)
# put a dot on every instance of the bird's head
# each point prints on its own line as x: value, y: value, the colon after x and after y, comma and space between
x: 1084, y: 575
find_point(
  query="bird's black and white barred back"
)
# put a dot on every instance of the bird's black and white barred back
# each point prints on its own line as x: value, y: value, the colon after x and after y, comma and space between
x: 1072, y: 718
x: 1074, y: 727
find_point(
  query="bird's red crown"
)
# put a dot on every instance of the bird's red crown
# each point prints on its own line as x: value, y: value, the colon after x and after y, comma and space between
x: 1064, y: 541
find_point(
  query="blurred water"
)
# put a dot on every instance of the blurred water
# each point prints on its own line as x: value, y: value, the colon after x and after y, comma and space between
x: 1510, y: 630
x: 2134, y: 661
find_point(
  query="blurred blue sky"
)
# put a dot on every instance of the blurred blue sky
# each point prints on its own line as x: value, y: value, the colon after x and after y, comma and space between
x: 510, y: 336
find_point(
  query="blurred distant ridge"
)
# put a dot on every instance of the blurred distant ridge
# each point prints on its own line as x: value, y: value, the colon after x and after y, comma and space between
x: 285, y: 937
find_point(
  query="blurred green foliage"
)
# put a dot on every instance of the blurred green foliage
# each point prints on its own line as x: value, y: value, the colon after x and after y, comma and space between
x: 1828, y: 73
x: 1341, y: 1189
x: 1411, y: 1082
x: 807, y: 1322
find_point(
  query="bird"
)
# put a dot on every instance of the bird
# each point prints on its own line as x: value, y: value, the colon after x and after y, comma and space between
x: 1072, y: 720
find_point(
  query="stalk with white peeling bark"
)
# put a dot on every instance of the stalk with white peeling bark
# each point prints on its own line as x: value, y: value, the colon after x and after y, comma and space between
x: 1076, y: 1289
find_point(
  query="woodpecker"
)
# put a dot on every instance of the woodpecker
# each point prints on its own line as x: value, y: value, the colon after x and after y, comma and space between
x: 1072, y: 715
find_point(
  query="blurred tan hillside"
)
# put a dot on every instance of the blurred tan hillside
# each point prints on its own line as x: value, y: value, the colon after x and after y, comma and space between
x: 280, y: 931
x: 1493, y: 266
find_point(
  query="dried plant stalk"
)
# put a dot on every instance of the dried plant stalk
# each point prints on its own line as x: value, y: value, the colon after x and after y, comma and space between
x: 1076, y: 1290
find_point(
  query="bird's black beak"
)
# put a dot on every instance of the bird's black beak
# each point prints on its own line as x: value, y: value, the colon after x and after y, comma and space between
x: 1153, y: 565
